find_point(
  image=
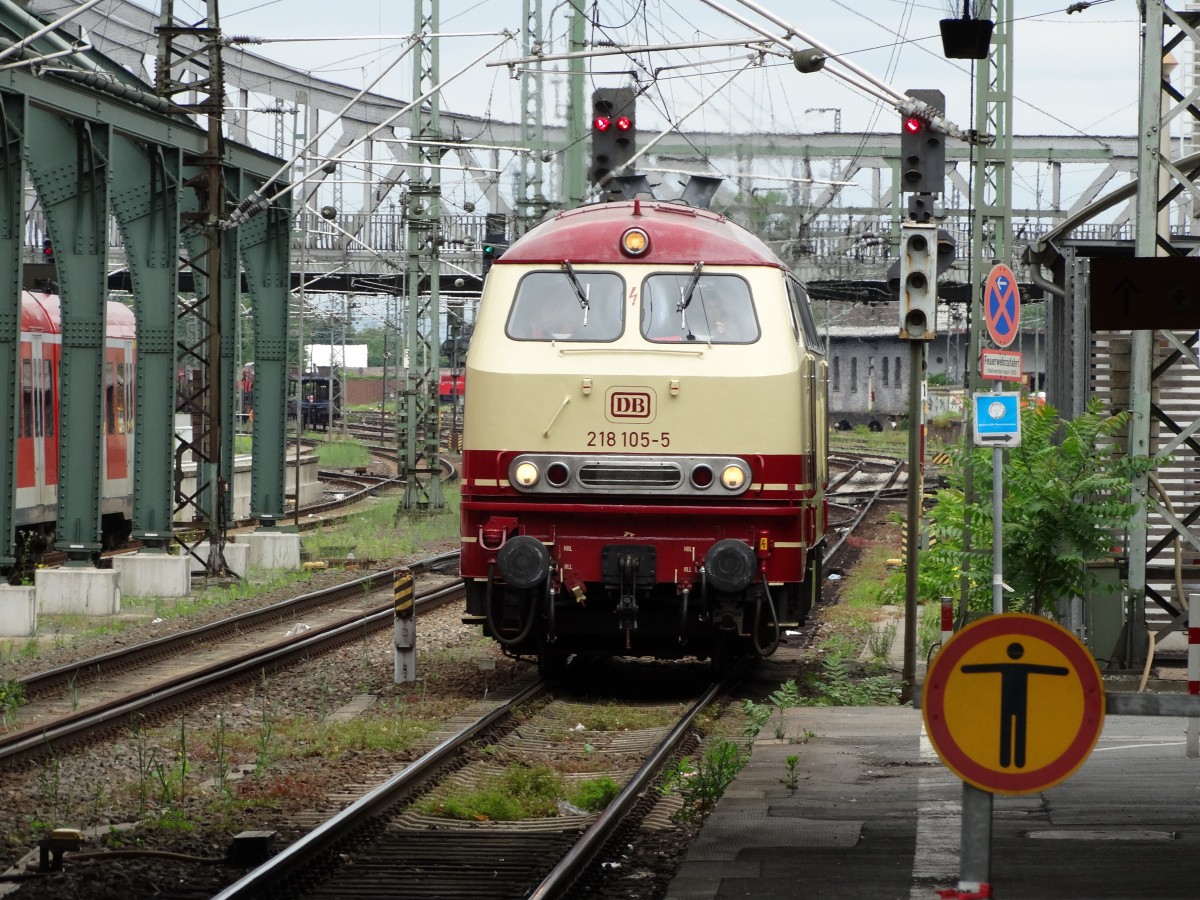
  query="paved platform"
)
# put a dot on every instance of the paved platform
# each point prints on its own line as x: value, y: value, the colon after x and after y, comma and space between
x: 875, y: 814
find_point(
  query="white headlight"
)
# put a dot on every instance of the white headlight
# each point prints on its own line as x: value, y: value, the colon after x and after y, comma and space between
x: 526, y: 474
x: 733, y: 477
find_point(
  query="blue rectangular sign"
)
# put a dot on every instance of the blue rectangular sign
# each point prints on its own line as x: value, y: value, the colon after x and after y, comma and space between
x: 998, y: 419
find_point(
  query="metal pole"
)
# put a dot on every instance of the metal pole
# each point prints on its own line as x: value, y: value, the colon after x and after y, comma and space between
x: 916, y: 378
x: 404, y: 628
x: 975, y: 857
x: 997, y: 527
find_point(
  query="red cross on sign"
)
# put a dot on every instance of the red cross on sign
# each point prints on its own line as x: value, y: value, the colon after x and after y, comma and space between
x: 1002, y: 305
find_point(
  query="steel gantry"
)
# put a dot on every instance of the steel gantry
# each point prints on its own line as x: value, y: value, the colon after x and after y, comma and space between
x: 98, y: 146
x: 1160, y: 360
x: 418, y: 434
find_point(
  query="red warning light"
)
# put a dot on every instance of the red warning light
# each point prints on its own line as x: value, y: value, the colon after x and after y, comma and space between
x: 913, y: 125
x: 48, y: 250
x: 602, y: 123
x: 624, y: 123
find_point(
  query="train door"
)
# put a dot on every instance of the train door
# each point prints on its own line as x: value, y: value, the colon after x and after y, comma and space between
x: 37, y: 441
x: 118, y: 417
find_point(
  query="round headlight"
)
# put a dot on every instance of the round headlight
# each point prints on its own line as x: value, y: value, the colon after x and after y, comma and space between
x: 702, y: 476
x: 733, y: 477
x: 526, y: 474
x: 558, y: 474
x: 635, y: 242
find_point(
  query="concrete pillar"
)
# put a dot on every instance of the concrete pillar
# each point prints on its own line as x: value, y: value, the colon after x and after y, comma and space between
x: 18, y: 610
x: 273, y: 550
x: 75, y: 590
x: 153, y: 575
x: 235, y: 558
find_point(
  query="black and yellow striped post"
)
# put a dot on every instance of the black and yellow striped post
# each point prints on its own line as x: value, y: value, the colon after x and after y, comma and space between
x: 405, y: 627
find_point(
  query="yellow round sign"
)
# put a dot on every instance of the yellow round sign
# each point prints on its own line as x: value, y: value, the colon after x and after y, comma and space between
x: 1013, y: 703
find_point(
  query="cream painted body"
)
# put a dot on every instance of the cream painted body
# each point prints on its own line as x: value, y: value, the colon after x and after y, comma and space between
x: 707, y: 398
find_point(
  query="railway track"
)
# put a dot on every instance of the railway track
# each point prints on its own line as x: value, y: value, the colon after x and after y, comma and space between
x: 504, y: 844
x: 414, y: 855
x: 77, y: 702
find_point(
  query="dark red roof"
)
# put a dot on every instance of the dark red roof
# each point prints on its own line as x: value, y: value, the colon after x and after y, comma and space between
x: 678, y: 235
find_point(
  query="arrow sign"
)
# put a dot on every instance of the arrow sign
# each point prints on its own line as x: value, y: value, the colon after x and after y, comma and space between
x: 998, y: 419
x: 1002, y: 305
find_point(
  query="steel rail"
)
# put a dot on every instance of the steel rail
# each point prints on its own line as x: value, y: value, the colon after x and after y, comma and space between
x: 33, y: 742
x: 875, y: 495
x: 570, y: 867
x: 128, y: 657
x: 379, y: 800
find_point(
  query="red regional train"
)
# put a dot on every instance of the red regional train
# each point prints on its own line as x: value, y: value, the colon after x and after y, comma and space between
x: 37, y: 444
x: 644, y: 464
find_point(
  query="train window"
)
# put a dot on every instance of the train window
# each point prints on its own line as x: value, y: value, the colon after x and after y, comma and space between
x: 719, y: 310
x: 48, y: 397
x: 119, y: 395
x: 547, y: 307
x: 110, y: 424
x: 802, y: 309
x: 26, y: 398
x: 129, y: 398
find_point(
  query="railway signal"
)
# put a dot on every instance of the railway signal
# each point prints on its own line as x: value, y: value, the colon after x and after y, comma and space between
x: 47, y: 250
x: 922, y: 150
x: 495, y: 240
x: 614, y: 133
x: 918, y: 281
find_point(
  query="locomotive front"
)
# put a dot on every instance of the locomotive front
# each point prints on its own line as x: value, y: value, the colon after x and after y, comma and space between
x: 644, y: 440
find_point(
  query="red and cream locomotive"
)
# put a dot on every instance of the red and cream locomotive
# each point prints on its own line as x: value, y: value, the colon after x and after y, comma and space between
x: 645, y: 439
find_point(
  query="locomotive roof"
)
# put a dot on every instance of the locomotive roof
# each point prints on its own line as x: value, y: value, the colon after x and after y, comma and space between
x: 678, y: 235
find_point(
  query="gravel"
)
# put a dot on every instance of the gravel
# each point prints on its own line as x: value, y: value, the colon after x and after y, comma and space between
x: 264, y: 757
x: 268, y: 757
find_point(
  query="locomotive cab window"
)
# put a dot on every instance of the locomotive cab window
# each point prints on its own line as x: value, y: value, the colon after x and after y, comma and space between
x: 551, y: 306
x: 710, y: 308
x: 801, y: 308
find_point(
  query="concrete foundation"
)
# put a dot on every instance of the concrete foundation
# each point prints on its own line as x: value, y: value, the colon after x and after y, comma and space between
x: 235, y: 558
x: 153, y: 575
x: 77, y: 590
x: 18, y: 610
x: 274, y: 550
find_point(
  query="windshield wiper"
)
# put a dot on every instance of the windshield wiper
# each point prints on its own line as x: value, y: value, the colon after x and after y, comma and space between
x: 582, y: 294
x: 685, y: 297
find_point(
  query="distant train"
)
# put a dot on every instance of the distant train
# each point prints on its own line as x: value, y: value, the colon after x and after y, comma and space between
x: 37, y: 443
x: 644, y: 465
x: 311, y: 394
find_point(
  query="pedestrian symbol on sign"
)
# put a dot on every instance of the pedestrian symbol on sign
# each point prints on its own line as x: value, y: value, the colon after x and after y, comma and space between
x: 1014, y: 700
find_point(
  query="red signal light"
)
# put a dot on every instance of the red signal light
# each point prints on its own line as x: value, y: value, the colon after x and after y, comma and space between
x: 913, y: 125
x: 48, y: 250
x: 602, y: 123
x: 624, y: 123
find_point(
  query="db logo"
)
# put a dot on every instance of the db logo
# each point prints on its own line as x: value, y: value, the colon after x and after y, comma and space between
x: 624, y: 404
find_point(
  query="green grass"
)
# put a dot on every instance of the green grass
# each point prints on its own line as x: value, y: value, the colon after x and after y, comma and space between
x: 374, y: 533
x: 519, y: 792
x: 336, y: 453
x: 864, y: 587
x: 615, y: 717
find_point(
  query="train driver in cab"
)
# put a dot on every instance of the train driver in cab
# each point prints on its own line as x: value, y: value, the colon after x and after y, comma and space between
x: 729, y: 321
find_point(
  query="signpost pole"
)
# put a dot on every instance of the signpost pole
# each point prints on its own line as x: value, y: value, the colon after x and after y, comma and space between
x: 997, y: 525
x: 975, y: 855
x: 916, y: 416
